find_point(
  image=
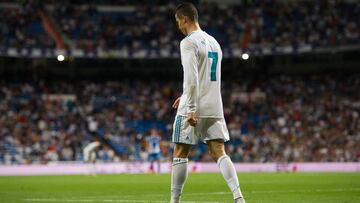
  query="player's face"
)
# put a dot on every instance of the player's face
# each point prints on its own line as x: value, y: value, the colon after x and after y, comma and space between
x: 180, y: 20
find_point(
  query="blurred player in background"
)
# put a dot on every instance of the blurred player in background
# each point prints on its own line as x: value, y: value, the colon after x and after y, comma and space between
x: 154, y: 150
x: 199, y: 109
x: 90, y: 155
x: 89, y: 151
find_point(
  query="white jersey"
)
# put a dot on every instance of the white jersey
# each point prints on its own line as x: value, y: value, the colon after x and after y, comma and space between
x: 89, y: 149
x: 201, y: 60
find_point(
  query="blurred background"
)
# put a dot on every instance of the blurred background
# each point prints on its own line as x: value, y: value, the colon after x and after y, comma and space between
x: 75, y: 71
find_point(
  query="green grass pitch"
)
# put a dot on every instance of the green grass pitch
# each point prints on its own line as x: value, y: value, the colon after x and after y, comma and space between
x: 209, y: 188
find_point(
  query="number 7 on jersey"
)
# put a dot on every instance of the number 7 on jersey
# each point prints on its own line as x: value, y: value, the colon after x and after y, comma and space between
x: 214, y: 57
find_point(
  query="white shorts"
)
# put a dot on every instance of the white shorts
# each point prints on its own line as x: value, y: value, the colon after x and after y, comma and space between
x: 206, y: 129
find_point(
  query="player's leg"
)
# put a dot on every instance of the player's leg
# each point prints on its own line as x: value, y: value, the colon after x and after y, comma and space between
x: 158, y: 166
x: 158, y: 161
x: 217, y: 152
x: 92, y: 165
x: 179, y: 170
x: 151, y: 160
x: 86, y: 155
x: 183, y: 137
x: 152, y: 170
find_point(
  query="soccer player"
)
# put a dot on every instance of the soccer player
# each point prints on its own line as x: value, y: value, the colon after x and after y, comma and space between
x: 154, y: 150
x: 90, y: 156
x: 199, y: 109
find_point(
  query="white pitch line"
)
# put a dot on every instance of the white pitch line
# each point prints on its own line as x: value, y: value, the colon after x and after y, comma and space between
x: 157, y: 195
x: 104, y: 200
x: 316, y: 190
x: 107, y: 198
x: 229, y: 193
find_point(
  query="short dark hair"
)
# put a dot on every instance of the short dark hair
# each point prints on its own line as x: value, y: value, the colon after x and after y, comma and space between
x: 187, y: 9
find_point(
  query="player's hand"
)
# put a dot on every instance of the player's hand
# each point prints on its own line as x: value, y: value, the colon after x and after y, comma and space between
x: 191, y: 119
x: 176, y: 103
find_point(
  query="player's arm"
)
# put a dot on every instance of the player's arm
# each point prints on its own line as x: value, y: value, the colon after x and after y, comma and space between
x: 191, y: 79
x: 176, y: 103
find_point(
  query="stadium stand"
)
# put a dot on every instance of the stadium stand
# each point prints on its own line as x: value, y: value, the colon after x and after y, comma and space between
x: 256, y: 26
x: 280, y: 119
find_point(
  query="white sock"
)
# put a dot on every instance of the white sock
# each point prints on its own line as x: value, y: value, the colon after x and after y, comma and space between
x: 228, y: 171
x: 178, y: 177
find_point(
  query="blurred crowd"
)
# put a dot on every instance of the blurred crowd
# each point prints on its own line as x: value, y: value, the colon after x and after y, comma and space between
x: 300, y: 23
x: 21, y: 29
x: 143, y: 27
x: 270, y: 119
x: 99, y: 2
